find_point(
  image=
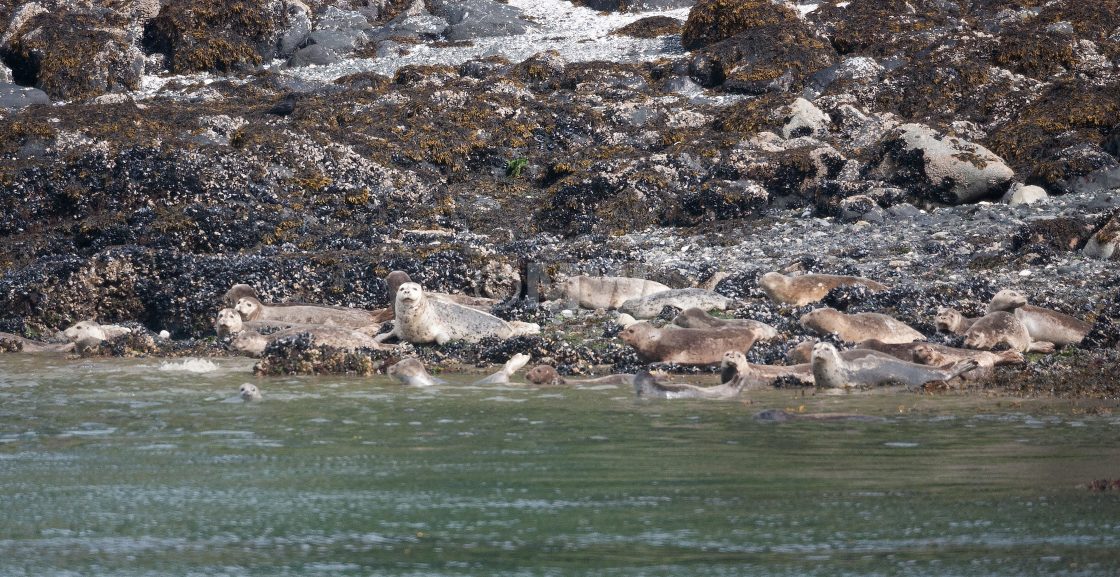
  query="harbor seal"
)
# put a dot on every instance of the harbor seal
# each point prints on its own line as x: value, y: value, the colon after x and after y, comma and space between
x: 229, y: 322
x: 875, y: 368
x: 249, y: 392
x: 646, y: 386
x: 90, y: 333
x: 650, y: 306
x: 423, y: 320
x: 686, y: 346
x: 695, y: 318
x: 1042, y: 324
x: 410, y: 371
x: 936, y: 355
x: 251, y: 309
x: 809, y: 288
x: 236, y: 293
x: 501, y: 377
x: 253, y: 343
x: 950, y: 320
x: 604, y: 292
x: 395, y: 279
x: 544, y: 375
x: 18, y: 344
x: 749, y: 376
x: 1003, y: 328
x: 860, y: 326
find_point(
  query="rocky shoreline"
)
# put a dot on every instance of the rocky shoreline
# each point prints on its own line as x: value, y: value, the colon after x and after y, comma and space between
x: 905, y: 142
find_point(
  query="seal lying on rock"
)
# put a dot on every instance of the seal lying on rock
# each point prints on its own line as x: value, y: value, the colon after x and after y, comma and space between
x: 650, y: 306
x: 18, y: 344
x: 1043, y: 324
x: 411, y: 372
x: 686, y: 346
x: 809, y: 288
x: 249, y: 392
x: 875, y: 368
x: 860, y: 326
x: 89, y: 334
x: 750, y: 376
x: 501, y: 377
x: 251, y: 309
x: 936, y: 355
x: 1003, y: 328
x: 646, y: 386
x: 423, y: 320
x: 228, y: 322
x: 237, y: 292
x: 395, y: 279
x: 605, y: 292
x: 694, y: 318
x: 950, y: 320
x: 254, y: 343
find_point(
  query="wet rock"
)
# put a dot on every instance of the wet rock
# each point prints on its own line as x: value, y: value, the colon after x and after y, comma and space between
x: 411, y: 26
x: 804, y: 119
x: 469, y: 19
x: 201, y: 36
x: 944, y: 168
x: 295, y: 33
x: 14, y: 97
x: 650, y: 27
x: 314, y: 54
x: 1086, y: 167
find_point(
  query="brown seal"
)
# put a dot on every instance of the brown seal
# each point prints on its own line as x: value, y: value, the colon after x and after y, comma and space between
x: 1043, y: 324
x: 1003, y: 328
x: 936, y: 355
x: 809, y: 288
x: 237, y: 292
x: 950, y: 320
x: 410, y: 371
x: 859, y: 327
x: 686, y: 346
x: 544, y: 375
x: 696, y: 318
x: 749, y: 376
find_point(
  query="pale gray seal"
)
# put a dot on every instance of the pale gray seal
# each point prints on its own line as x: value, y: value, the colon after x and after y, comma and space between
x: 936, y: 355
x: 650, y: 306
x: 236, y: 293
x: 411, y: 372
x: 646, y: 386
x: 251, y: 309
x: 809, y: 288
x: 695, y: 318
x: 501, y: 377
x: 750, y: 376
x: 859, y: 327
x: 686, y: 346
x: 395, y: 279
x: 1003, y: 328
x: 249, y: 392
x: 605, y: 292
x: 254, y: 343
x: 16, y: 343
x: 423, y: 320
x: 1043, y: 324
x: 90, y: 333
x: 229, y: 322
x: 875, y: 368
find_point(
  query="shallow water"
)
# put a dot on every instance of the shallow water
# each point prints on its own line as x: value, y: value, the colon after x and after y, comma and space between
x: 153, y: 467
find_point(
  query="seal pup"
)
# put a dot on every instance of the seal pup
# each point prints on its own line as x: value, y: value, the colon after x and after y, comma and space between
x: 423, y: 320
x: 253, y: 343
x: 695, y: 318
x: 249, y: 392
x: 1043, y: 324
x: 604, y: 292
x: 749, y: 376
x: 860, y: 326
x: 875, y: 368
x: 90, y: 333
x: 809, y: 288
x: 686, y: 346
x: 950, y: 320
x: 1003, y: 328
x: 501, y: 377
x: 16, y: 343
x: 251, y: 309
x: 646, y: 386
x: 410, y: 371
x: 650, y: 306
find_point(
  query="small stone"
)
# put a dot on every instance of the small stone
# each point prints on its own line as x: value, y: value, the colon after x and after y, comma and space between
x: 567, y: 313
x: 164, y: 334
x: 1025, y: 272
x: 1020, y: 193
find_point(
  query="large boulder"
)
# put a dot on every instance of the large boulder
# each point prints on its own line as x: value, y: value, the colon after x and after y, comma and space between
x: 941, y: 168
x: 217, y: 35
x: 470, y: 19
x: 13, y: 96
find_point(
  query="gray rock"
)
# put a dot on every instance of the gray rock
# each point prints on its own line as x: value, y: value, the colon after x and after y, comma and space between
x: 1020, y: 193
x: 943, y: 168
x: 469, y: 19
x: 334, y: 18
x: 805, y: 119
x: 340, y: 41
x: 299, y: 26
x: 419, y: 26
x: 315, y: 54
x: 13, y: 96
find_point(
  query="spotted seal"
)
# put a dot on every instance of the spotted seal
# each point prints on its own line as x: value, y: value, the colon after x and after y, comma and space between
x: 253, y: 343
x: 875, y: 368
x: 410, y: 371
x: 695, y: 318
x: 249, y: 392
x: 229, y: 322
x: 251, y: 309
x: 237, y: 292
x: 423, y: 320
x: 395, y: 279
x: 859, y: 327
x: 88, y: 334
x: 501, y: 377
x: 686, y: 346
x: 950, y: 320
x: 809, y: 288
x: 1042, y: 324
x: 937, y: 355
x: 1003, y: 328
x: 18, y: 344
x: 750, y: 376
x: 648, y: 387
x: 547, y: 375
x: 650, y: 306
x: 604, y: 292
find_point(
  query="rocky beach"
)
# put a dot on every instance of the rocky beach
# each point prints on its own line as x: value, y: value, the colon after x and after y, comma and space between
x: 154, y: 154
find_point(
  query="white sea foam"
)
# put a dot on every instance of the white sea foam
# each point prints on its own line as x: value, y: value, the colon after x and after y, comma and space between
x: 189, y: 366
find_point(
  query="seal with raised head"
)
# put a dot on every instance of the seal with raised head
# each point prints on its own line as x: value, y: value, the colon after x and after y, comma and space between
x: 249, y: 392
x: 90, y: 333
x: 237, y: 292
x: 229, y: 322
x: 251, y: 309
x: 1043, y: 324
x: 410, y: 371
x: 875, y: 368
x: 950, y: 320
x: 809, y: 288
x: 648, y: 387
x: 750, y: 376
x: 686, y: 346
x: 1003, y: 328
x: 605, y: 292
x: 941, y: 355
x: 650, y: 306
x: 395, y: 279
x: 859, y: 327
x: 544, y: 375
x: 423, y: 320
x: 695, y: 318
x: 501, y: 377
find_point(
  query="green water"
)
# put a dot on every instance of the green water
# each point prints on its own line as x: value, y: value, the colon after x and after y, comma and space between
x: 140, y: 467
